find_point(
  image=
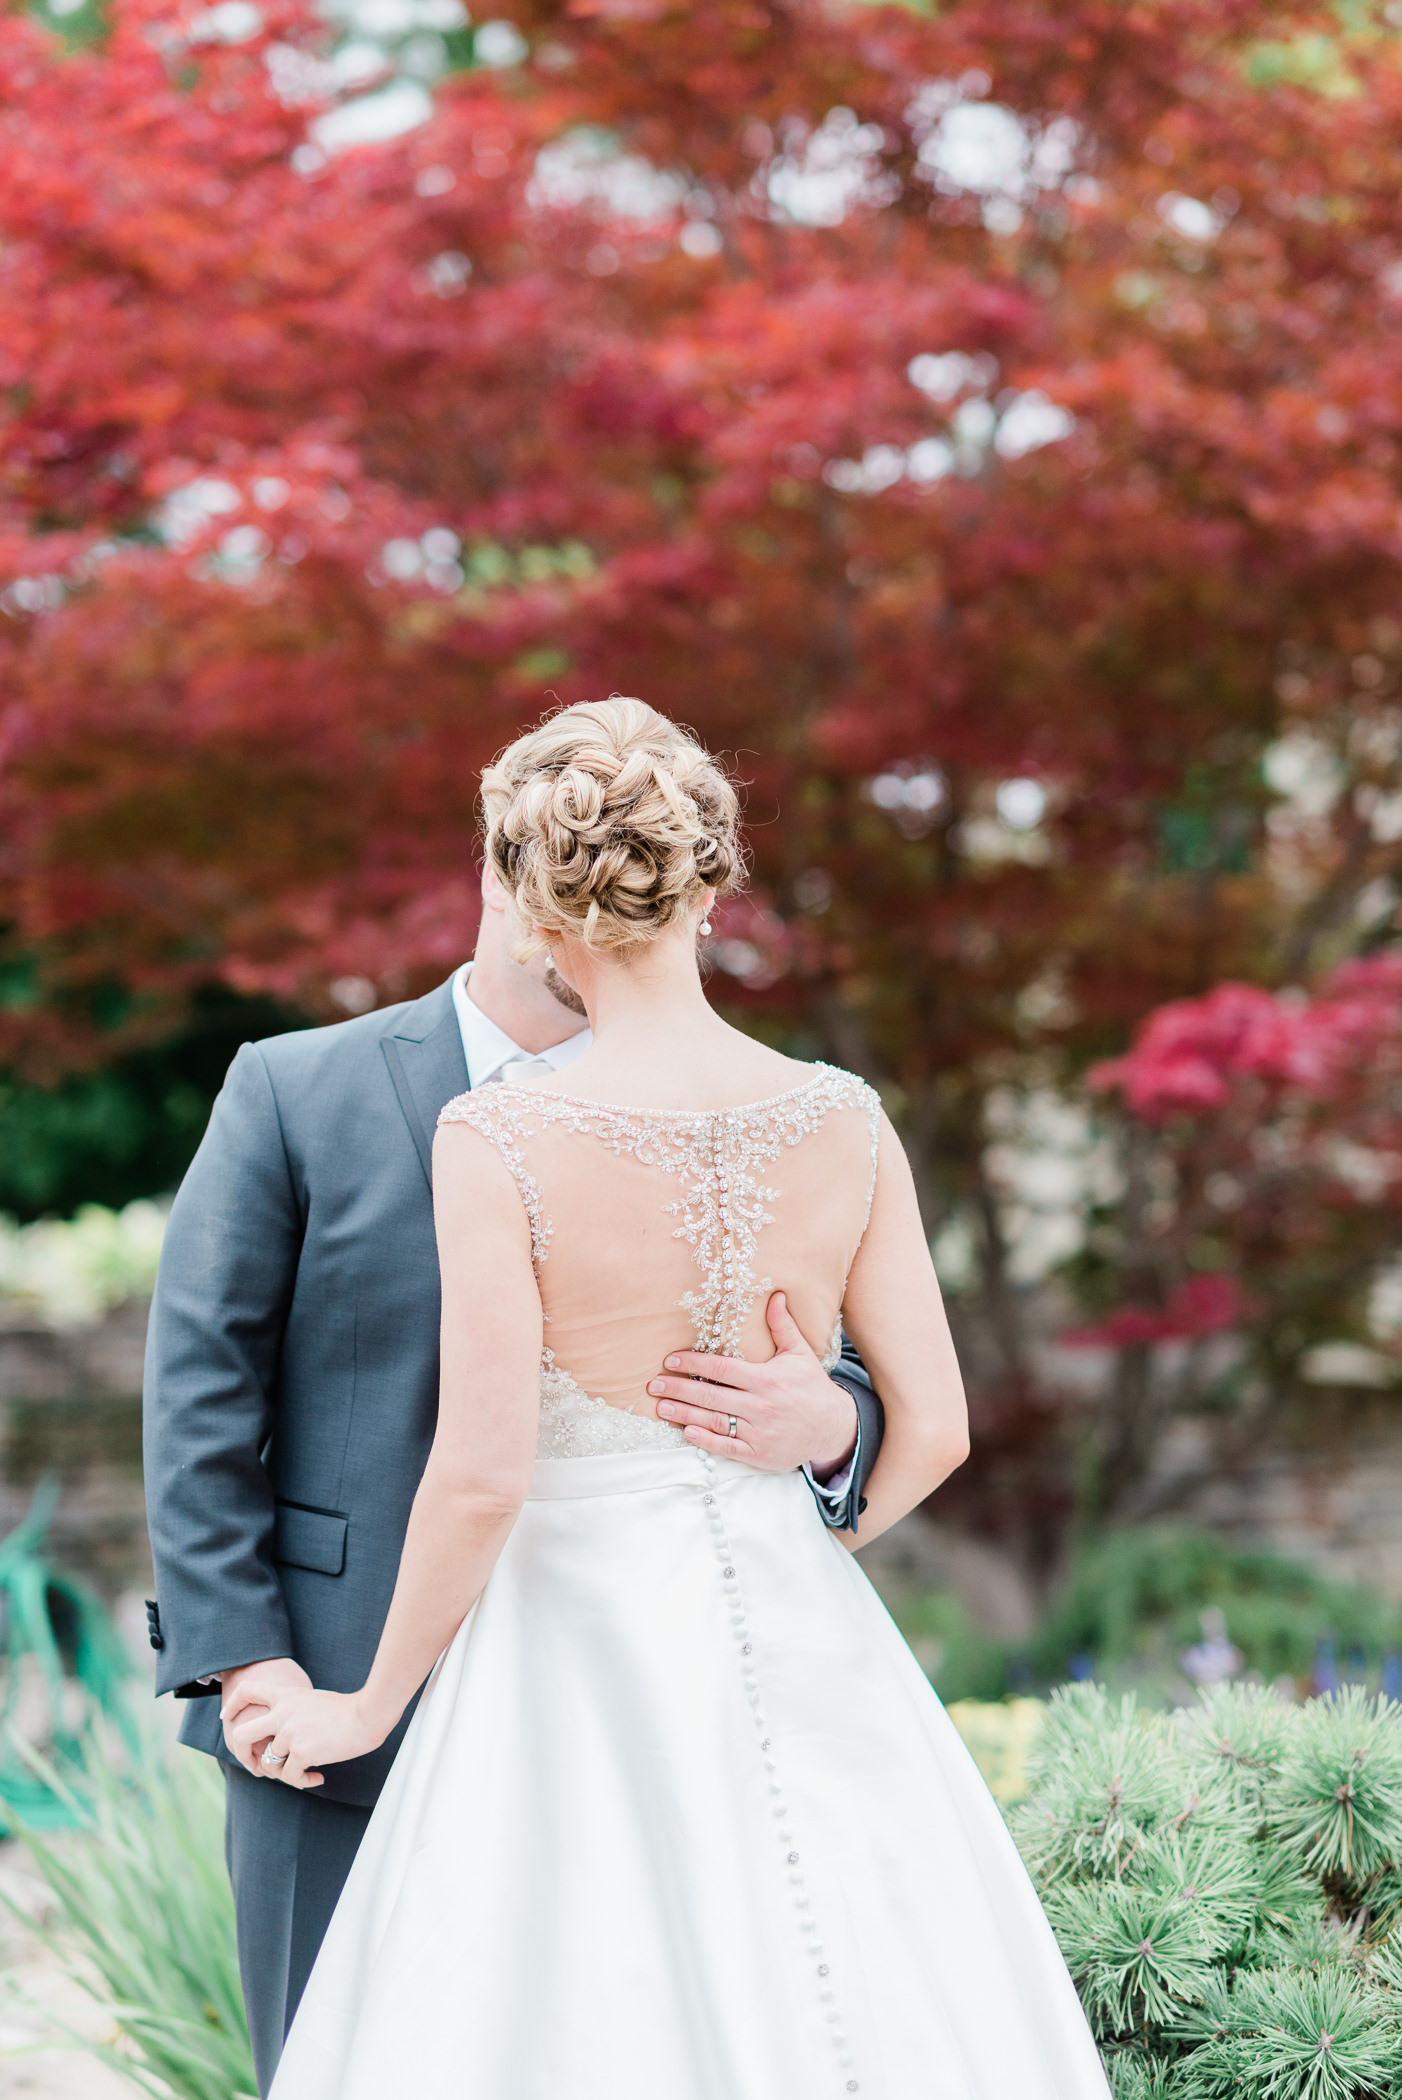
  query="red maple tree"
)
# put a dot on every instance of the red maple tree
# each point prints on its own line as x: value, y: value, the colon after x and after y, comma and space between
x: 984, y: 424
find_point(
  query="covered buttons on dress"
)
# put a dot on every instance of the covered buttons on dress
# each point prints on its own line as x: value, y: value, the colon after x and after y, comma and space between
x: 749, y: 1678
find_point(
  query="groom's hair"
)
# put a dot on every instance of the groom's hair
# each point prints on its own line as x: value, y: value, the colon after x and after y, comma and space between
x: 609, y: 823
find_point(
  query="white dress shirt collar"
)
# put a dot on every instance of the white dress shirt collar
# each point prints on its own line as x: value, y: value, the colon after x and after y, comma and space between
x: 487, y: 1047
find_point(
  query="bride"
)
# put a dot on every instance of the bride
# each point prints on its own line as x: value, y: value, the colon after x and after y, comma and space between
x: 678, y: 1816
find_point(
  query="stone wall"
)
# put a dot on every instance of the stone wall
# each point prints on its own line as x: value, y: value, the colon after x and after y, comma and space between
x: 1321, y: 1483
x: 70, y: 1402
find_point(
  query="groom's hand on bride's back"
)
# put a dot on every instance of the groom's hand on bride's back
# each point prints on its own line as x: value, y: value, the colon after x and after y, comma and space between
x: 787, y: 1412
x: 255, y: 1685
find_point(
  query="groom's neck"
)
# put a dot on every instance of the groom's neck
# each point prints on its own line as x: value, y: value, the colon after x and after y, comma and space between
x: 520, y: 1004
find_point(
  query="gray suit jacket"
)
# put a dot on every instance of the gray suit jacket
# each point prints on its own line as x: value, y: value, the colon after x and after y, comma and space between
x: 292, y: 1361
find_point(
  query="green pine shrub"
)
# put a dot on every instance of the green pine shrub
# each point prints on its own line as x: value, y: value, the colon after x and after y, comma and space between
x: 1225, y: 1883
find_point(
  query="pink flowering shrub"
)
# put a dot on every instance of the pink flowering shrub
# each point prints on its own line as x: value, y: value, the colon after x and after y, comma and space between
x: 1264, y: 1132
x: 1195, y: 1054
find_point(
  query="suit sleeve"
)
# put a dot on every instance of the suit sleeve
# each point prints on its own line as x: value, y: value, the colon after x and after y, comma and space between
x: 841, y: 1510
x: 225, y: 1282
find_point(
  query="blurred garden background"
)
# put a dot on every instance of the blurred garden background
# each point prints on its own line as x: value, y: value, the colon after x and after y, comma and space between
x: 983, y: 424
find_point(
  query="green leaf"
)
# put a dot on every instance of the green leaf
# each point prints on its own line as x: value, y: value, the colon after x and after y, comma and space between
x: 143, y: 1916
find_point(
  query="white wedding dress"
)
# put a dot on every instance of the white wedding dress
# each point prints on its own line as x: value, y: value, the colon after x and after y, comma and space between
x: 678, y: 1816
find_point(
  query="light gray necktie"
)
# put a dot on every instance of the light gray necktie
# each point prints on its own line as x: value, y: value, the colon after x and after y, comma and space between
x: 520, y: 1067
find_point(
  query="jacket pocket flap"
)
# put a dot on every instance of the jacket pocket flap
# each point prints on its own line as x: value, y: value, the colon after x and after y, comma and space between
x: 309, y: 1538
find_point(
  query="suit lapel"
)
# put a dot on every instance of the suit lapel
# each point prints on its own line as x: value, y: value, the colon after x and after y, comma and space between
x: 426, y: 1064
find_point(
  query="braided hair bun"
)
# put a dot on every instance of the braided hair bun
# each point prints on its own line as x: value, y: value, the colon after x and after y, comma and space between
x: 608, y: 823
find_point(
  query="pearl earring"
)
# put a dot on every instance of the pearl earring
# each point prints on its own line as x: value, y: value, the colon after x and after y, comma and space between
x: 705, y: 926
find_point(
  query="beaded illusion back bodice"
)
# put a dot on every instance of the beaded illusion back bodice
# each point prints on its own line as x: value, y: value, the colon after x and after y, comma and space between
x: 662, y: 1229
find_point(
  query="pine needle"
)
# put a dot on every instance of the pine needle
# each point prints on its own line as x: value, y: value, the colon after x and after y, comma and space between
x: 1226, y: 1887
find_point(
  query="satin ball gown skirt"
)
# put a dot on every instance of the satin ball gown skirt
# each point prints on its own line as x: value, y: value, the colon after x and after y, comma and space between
x: 679, y: 1818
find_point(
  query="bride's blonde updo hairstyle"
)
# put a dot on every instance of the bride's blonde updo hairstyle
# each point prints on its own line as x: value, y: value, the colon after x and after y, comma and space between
x: 608, y: 823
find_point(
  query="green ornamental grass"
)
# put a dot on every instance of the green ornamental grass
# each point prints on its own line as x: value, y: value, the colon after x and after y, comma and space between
x: 143, y: 1917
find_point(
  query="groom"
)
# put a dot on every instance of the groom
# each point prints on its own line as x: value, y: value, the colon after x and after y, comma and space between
x: 291, y: 1394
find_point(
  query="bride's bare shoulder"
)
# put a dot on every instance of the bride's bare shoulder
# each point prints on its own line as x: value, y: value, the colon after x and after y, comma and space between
x: 761, y: 1070
x: 756, y: 1071
x: 727, y: 1070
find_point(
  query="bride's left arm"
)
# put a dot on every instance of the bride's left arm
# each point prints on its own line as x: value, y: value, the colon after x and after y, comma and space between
x: 478, y: 1470
x: 895, y: 1315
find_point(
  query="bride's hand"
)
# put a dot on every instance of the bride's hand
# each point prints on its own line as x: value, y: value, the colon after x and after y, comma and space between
x: 308, y: 1729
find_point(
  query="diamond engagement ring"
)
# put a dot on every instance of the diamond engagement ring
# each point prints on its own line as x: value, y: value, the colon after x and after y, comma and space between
x: 269, y: 1759
x: 734, y: 1429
